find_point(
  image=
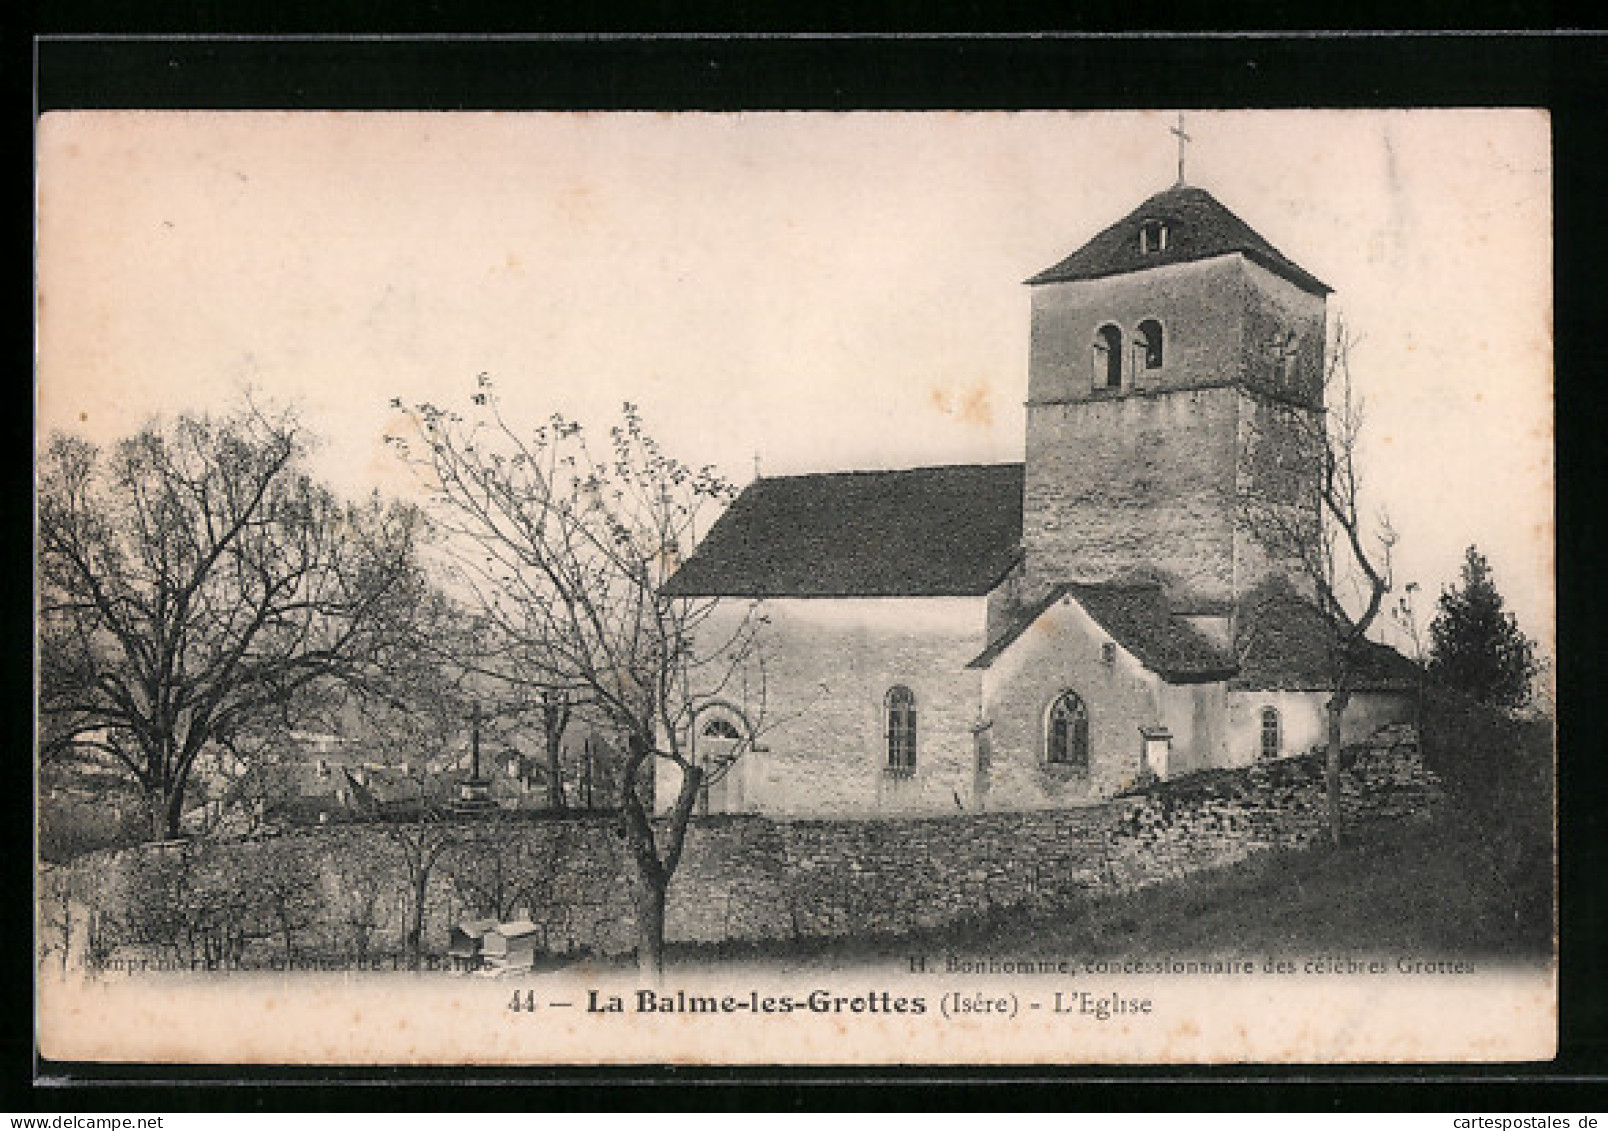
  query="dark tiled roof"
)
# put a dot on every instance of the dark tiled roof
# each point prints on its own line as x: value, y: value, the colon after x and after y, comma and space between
x: 925, y: 532
x: 1138, y: 618
x: 1020, y: 624
x: 1198, y: 227
x: 1285, y: 647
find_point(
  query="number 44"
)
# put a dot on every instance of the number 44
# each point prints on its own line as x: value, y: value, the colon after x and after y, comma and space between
x: 523, y: 1001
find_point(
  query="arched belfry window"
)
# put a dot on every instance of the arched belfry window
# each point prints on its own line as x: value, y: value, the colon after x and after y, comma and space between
x: 1272, y: 737
x: 900, y: 709
x: 1108, y: 358
x: 1147, y: 351
x: 1066, y: 732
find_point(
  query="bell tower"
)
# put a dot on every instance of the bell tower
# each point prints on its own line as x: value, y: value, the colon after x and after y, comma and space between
x: 1164, y: 352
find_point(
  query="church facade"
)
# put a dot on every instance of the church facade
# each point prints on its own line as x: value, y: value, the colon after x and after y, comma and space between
x: 1052, y: 632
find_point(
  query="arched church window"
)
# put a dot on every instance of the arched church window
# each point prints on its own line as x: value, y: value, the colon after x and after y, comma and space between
x: 1272, y: 738
x: 719, y: 727
x: 1147, y: 345
x: 901, y: 731
x: 1066, y: 732
x: 1108, y: 358
x: 722, y: 737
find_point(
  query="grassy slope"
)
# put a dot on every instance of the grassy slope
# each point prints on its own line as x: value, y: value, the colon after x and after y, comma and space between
x: 1431, y: 887
x: 1421, y: 888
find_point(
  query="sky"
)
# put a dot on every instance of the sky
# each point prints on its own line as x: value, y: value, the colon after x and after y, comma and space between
x: 808, y: 291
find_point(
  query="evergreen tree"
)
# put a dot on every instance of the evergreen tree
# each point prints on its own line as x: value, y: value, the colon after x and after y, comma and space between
x: 1475, y: 644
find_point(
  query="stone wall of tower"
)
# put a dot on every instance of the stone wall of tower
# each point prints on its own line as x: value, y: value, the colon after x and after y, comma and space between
x: 1148, y: 477
x: 1280, y: 453
x: 1201, y: 309
x: 1282, y: 337
x: 1142, y: 483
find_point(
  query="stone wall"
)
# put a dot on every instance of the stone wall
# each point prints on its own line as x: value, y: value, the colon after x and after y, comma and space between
x: 743, y: 878
x: 1140, y: 482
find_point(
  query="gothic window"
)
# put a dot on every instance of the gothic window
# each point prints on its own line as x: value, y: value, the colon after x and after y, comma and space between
x: 1108, y: 358
x: 901, y: 731
x: 1147, y: 345
x: 1066, y: 732
x: 1152, y: 237
x: 1271, y: 738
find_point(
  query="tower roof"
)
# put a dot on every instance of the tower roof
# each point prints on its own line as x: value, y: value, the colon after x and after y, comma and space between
x: 1198, y: 227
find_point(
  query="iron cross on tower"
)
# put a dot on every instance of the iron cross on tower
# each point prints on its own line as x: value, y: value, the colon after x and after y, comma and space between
x: 1183, y: 140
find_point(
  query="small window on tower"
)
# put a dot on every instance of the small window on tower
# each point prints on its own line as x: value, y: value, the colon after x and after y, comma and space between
x: 1284, y: 347
x: 1152, y: 237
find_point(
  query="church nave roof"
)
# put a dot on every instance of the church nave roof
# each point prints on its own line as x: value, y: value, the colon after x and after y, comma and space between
x: 923, y: 532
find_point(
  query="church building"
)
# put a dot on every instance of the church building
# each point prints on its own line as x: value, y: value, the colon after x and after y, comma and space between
x: 1052, y: 632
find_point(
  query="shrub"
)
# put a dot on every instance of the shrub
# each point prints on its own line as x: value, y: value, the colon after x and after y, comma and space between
x: 1498, y: 772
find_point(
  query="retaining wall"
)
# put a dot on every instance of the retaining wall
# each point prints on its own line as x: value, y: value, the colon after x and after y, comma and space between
x: 344, y: 892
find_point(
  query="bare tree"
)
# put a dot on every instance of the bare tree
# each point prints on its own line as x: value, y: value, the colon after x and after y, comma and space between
x: 556, y: 710
x: 1303, y: 501
x: 496, y: 869
x: 414, y: 716
x: 565, y: 550
x: 1404, y: 614
x: 422, y: 837
x: 58, y: 894
x: 194, y: 580
x: 282, y: 877
x: 360, y: 879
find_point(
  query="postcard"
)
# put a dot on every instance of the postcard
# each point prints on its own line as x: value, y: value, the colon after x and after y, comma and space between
x: 1034, y: 588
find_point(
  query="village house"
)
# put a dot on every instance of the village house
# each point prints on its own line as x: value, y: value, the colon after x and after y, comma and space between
x: 1050, y: 632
